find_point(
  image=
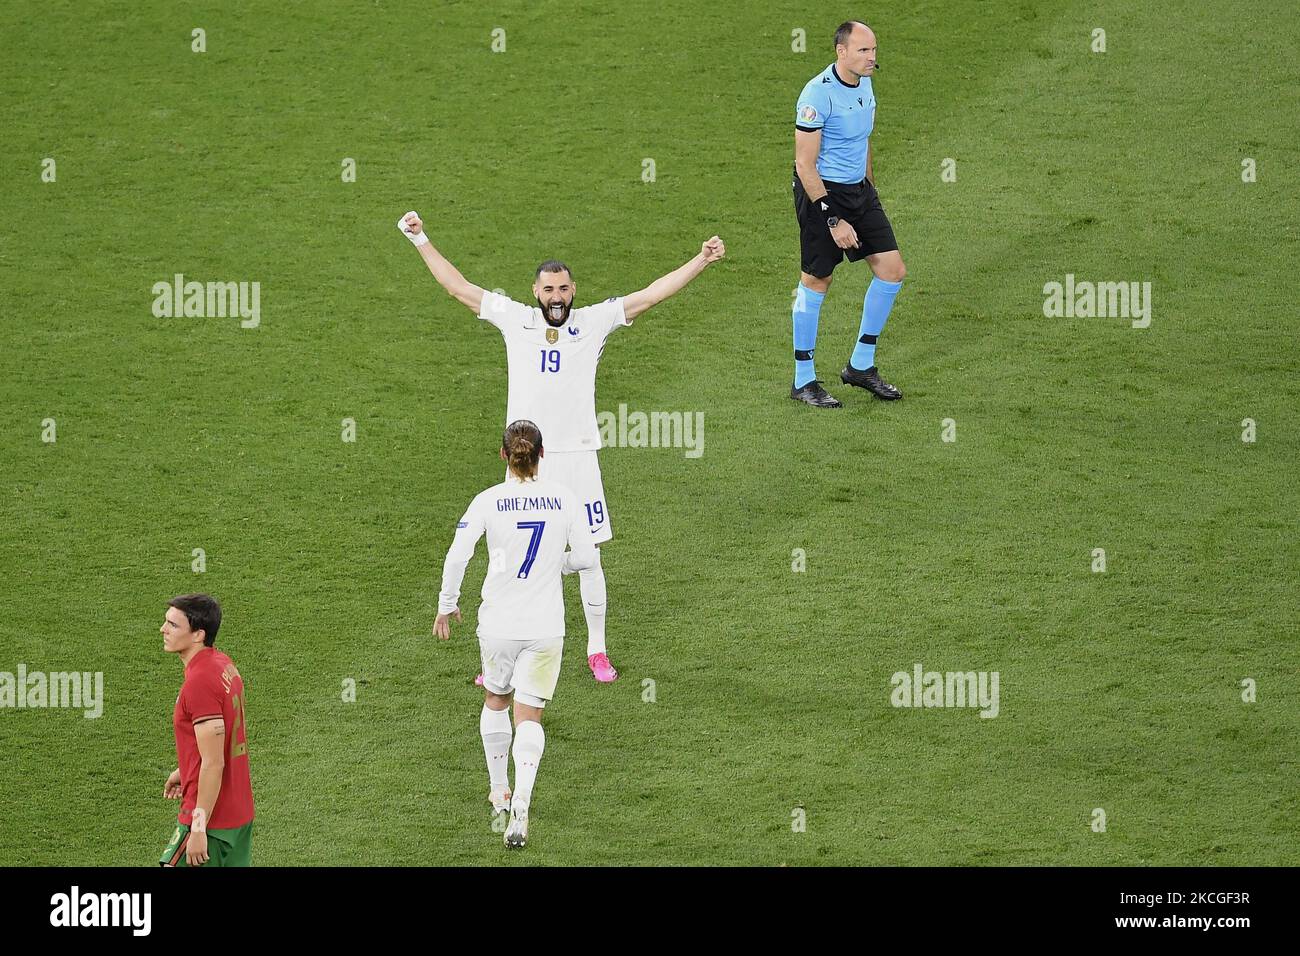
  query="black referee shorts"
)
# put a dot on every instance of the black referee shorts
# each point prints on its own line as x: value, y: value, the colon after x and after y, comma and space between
x: 818, y: 253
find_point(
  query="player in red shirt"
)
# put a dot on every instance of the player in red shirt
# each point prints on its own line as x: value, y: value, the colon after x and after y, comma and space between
x: 211, y: 779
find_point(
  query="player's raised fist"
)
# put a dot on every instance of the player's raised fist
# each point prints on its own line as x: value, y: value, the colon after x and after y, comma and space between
x: 412, y: 228
x: 713, y: 250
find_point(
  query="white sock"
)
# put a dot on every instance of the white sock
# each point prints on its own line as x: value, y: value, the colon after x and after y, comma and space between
x: 494, y: 727
x: 591, y: 585
x: 530, y: 741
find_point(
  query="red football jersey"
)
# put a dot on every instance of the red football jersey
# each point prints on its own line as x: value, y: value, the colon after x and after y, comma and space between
x: 213, y: 688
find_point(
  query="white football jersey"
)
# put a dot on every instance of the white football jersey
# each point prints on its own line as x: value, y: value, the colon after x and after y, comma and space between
x: 552, y: 371
x: 528, y: 525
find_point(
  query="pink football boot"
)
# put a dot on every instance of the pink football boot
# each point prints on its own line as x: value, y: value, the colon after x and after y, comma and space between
x: 601, y: 668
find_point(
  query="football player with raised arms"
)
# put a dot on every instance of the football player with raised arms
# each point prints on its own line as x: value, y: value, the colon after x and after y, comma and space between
x: 552, y: 352
x: 528, y: 522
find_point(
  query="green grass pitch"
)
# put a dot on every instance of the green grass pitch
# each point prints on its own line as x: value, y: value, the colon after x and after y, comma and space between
x: 1120, y: 691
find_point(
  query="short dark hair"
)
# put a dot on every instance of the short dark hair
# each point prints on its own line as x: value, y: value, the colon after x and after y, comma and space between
x: 552, y: 265
x: 202, y: 611
x: 845, y: 30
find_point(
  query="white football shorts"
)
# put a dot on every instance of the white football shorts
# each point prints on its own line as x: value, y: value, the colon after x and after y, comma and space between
x: 529, y: 668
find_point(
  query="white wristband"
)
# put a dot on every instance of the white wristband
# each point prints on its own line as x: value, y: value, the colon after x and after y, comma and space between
x: 417, y: 238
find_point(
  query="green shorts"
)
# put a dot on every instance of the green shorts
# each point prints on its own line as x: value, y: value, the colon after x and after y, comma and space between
x: 225, y: 847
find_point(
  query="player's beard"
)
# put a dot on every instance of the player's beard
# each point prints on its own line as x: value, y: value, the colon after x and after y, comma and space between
x: 550, y: 319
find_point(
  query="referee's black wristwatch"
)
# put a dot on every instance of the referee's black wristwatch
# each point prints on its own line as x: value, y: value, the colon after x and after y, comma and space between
x: 828, y: 208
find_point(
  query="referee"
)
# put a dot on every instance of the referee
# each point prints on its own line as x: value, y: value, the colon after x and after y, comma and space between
x: 840, y: 214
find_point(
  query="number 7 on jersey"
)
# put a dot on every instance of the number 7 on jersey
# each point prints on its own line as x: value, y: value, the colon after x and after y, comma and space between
x: 536, y: 527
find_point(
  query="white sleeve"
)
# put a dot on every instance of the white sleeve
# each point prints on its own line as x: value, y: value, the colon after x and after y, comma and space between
x: 503, y: 312
x: 468, y: 530
x: 611, y: 314
x: 582, y: 553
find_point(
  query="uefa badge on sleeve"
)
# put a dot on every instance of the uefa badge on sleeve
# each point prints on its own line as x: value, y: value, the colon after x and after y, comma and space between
x: 552, y: 335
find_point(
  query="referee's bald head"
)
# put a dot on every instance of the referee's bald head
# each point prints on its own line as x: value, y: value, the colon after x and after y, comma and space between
x: 855, y: 47
x: 845, y: 30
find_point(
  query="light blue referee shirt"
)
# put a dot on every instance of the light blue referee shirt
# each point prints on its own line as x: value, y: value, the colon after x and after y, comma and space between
x: 845, y: 115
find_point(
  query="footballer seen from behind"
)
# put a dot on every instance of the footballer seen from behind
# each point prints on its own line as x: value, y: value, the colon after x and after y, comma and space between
x: 528, y: 521
x: 552, y: 352
x: 211, y: 779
